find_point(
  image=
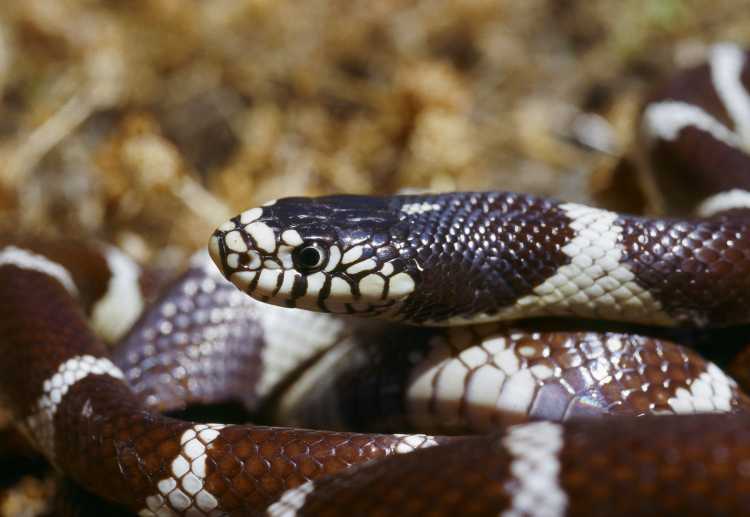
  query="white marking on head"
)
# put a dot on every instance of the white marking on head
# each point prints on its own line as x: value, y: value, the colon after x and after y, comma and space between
x: 291, y: 501
x: 268, y: 279
x: 315, y: 283
x: 249, y: 216
x: 334, y: 257
x: 291, y: 237
x: 666, y: 119
x: 227, y: 226
x: 352, y: 254
x: 254, y: 261
x: 711, y: 392
x: 123, y: 302
x: 263, y: 235
x: 723, y: 201
x: 364, y: 265
x: 372, y: 286
x: 28, y: 260
x: 185, y: 491
x: 284, y: 255
x: 340, y: 288
x: 400, y: 285
x: 235, y: 242
x: 387, y: 269
x: 41, y: 421
x: 727, y: 62
x: 243, y: 279
x: 535, y: 448
x: 287, y: 283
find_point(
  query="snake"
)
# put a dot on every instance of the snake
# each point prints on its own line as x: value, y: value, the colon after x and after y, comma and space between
x: 415, y: 298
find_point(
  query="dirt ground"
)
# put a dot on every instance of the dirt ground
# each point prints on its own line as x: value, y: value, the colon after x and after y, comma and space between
x: 146, y: 123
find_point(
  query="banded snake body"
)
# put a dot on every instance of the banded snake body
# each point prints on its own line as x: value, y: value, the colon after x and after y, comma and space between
x: 462, y: 260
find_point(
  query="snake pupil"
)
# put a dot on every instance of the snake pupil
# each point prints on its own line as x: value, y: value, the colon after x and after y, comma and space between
x: 310, y: 258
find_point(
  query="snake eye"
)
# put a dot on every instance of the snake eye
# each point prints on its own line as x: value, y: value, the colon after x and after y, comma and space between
x: 310, y: 258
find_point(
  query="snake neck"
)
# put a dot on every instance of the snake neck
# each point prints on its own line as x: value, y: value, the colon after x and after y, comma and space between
x: 479, y: 257
x: 473, y: 254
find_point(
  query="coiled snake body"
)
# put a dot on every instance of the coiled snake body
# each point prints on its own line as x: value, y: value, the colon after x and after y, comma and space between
x: 439, y: 260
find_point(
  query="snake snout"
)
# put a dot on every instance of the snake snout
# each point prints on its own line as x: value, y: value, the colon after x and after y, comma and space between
x: 252, y: 254
x: 215, y: 250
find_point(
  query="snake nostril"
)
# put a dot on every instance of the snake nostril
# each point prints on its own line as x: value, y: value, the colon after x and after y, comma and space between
x: 243, y: 260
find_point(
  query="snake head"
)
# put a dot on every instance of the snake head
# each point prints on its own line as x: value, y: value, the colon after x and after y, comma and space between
x: 338, y: 254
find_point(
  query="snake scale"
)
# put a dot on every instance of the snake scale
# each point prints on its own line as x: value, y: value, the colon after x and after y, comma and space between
x: 454, y: 266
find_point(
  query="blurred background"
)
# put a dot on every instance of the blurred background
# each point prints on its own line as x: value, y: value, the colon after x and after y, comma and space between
x: 146, y: 123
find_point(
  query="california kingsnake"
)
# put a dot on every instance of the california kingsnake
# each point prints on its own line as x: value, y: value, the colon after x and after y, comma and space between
x: 441, y: 259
